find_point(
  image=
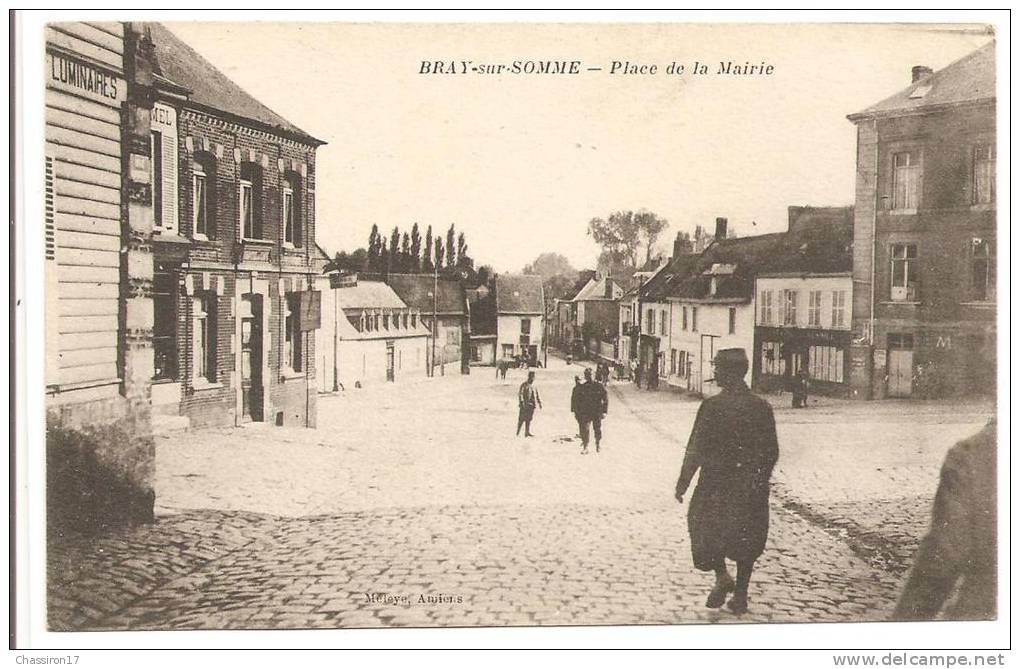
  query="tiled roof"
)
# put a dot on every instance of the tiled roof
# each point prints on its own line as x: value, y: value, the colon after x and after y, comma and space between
x: 417, y: 289
x: 969, y: 79
x: 596, y: 290
x: 519, y: 294
x: 676, y: 270
x: 210, y: 88
x: 369, y: 295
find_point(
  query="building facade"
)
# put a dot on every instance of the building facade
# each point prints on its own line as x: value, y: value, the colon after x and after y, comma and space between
x: 445, y: 299
x: 520, y: 312
x: 597, y: 310
x: 235, y: 263
x: 98, y: 269
x: 925, y: 236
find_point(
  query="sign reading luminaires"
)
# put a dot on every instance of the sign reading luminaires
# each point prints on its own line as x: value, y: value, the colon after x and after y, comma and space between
x: 80, y: 78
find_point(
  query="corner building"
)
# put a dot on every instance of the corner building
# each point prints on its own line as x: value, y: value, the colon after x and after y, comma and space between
x: 924, y: 255
x: 234, y: 299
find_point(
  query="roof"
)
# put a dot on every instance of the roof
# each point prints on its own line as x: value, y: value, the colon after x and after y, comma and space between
x: 595, y: 289
x: 969, y: 79
x: 416, y: 290
x: 676, y: 270
x: 209, y: 88
x: 519, y: 294
x: 369, y: 295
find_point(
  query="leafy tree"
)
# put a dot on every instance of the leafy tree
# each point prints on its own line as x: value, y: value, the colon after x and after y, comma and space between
x: 348, y: 262
x: 439, y: 252
x: 451, y: 254
x: 385, y: 259
x: 415, y: 251
x: 374, y: 249
x: 624, y: 234
x: 463, y: 260
x: 426, y: 258
x: 406, y: 262
x: 394, y: 247
x: 548, y: 265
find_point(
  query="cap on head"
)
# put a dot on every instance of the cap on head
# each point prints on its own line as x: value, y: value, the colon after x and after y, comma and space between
x: 731, y: 360
x: 587, y: 373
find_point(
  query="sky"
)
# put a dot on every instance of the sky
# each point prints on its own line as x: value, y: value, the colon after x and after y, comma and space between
x: 521, y: 163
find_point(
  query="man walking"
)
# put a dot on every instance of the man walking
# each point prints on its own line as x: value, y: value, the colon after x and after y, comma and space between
x: 589, y: 403
x: 734, y: 445
x: 527, y: 399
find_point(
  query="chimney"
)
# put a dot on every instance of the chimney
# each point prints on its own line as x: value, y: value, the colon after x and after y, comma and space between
x: 919, y: 72
x: 720, y: 228
x: 682, y: 246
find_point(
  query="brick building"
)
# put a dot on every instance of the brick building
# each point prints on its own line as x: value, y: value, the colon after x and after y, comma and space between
x: 235, y: 305
x: 98, y: 273
x: 924, y: 236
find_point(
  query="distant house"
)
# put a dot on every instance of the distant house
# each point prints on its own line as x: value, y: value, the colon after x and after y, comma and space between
x: 378, y: 337
x: 597, y: 316
x: 482, y: 338
x: 804, y: 293
x: 520, y: 309
x: 424, y: 293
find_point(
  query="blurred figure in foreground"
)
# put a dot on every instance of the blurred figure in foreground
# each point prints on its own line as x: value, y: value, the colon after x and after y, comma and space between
x: 961, y: 544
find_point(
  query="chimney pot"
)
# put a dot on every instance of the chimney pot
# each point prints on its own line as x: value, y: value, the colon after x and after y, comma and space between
x: 919, y: 72
x: 720, y: 228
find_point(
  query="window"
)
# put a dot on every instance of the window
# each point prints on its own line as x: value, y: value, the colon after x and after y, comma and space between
x: 733, y: 320
x: 814, y: 309
x: 672, y: 361
x: 900, y: 341
x: 291, y: 210
x: 525, y: 326
x: 156, y: 147
x: 684, y: 318
x: 683, y: 363
x: 248, y: 201
x: 508, y: 351
x: 789, y: 307
x: 825, y: 363
x: 982, y: 285
x: 906, y: 180
x: 984, y: 174
x: 452, y: 337
x: 766, y: 307
x: 651, y: 321
x: 292, y: 332
x: 386, y: 321
x: 662, y: 322
x: 203, y: 171
x: 694, y: 319
x: 903, y: 268
x: 164, y: 325
x: 772, y: 361
x: 838, y: 308
x: 414, y: 320
x: 203, y: 334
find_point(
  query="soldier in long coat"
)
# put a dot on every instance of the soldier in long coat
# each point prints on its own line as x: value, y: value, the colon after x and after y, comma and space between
x: 961, y: 544
x: 734, y: 447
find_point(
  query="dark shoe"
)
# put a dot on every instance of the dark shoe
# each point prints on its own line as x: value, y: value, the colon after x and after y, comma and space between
x: 598, y: 449
x: 584, y: 451
x: 528, y: 434
x: 737, y: 604
x: 717, y: 597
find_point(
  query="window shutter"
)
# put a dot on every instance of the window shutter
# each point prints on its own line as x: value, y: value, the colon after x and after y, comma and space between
x: 51, y: 238
x: 169, y: 184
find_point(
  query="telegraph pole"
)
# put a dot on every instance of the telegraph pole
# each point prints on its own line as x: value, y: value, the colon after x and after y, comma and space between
x: 435, y: 316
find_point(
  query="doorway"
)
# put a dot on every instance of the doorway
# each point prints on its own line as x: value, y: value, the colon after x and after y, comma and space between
x: 900, y: 361
x: 251, y: 358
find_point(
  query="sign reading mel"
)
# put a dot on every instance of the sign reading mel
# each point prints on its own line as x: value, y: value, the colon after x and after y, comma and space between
x: 74, y: 76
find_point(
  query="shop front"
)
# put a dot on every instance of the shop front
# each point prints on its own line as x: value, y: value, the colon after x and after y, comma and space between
x: 781, y: 353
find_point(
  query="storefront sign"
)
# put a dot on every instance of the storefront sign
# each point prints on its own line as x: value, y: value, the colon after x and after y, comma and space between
x: 85, y: 80
x: 164, y: 119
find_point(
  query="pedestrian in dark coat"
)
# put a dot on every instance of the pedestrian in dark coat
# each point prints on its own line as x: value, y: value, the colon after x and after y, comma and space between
x: 527, y: 399
x: 961, y: 544
x: 800, y: 388
x: 637, y: 375
x: 589, y: 403
x: 734, y: 446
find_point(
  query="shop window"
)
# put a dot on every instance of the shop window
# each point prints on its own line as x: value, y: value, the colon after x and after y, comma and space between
x: 164, y: 326
x: 772, y: 361
x: 292, y: 209
x: 249, y: 191
x: 982, y: 284
x: 203, y: 202
x: 984, y: 174
x: 825, y: 363
x: 903, y: 268
x: 203, y: 319
x: 814, y: 310
x: 292, y: 333
x: 790, y: 307
x: 838, y: 308
x: 733, y: 320
x: 906, y: 180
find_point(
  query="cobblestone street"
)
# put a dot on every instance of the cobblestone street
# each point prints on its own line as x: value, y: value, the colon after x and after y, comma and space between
x: 414, y: 504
